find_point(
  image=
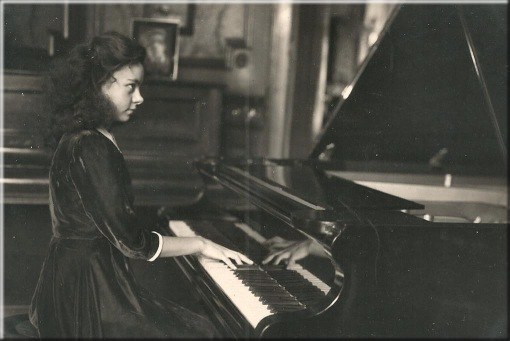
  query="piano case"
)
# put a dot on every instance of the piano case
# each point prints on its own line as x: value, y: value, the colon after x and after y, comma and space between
x: 405, y: 192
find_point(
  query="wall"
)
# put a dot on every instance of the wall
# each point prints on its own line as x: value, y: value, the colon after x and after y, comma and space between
x: 221, y: 44
x: 213, y: 36
x: 218, y: 30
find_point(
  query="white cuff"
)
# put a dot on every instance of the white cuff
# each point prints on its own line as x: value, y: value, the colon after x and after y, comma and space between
x: 160, y: 247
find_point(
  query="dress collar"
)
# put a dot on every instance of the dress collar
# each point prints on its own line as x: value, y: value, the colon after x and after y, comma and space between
x: 108, y: 135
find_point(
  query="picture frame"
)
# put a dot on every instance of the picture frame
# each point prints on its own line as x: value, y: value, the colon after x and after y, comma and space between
x: 182, y: 11
x: 160, y: 37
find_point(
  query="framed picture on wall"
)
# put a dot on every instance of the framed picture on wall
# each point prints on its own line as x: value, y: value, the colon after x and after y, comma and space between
x: 182, y: 11
x: 160, y: 37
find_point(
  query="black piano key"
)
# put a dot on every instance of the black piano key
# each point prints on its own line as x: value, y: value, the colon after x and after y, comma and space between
x: 266, y: 288
x: 287, y: 309
x: 248, y: 267
x: 255, y: 277
x: 281, y: 298
x: 271, y: 292
x: 259, y: 284
x: 281, y: 305
x: 275, y: 302
x: 274, y: 297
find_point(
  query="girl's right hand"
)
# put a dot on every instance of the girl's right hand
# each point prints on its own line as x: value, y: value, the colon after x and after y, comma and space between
x: 286, y: 251
x: 215, y: 251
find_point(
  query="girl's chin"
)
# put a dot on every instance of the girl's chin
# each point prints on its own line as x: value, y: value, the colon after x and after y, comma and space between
x: 124, y: 118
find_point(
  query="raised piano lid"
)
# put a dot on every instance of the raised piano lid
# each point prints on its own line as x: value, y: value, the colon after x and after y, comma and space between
x: 430, y: 97
x: 429, y: 101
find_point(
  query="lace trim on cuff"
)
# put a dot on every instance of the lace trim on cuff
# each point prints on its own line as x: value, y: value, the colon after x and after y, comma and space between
x: 160, y: 247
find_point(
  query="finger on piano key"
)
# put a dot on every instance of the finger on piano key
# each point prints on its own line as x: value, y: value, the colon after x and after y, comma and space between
x: 228, y: 262
x: 244, y: 259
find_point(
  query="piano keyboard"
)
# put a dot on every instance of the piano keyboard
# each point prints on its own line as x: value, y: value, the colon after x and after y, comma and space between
x: 259, y: 291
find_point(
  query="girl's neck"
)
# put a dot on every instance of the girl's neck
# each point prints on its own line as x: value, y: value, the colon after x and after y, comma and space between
x: 108, y: 135
x: 104, y: 131
x: 105, y: 128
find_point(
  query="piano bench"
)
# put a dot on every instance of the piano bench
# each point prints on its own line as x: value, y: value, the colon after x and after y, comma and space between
x: 19, y: 326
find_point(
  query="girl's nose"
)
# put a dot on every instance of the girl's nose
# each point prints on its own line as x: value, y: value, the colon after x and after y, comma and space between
x: 137, y: 97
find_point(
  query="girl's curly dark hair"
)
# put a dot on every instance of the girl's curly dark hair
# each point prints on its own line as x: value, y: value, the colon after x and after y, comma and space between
x: 73, y: 84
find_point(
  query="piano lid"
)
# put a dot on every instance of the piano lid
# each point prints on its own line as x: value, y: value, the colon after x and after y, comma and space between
x: 431, y: 95
x: 293, y: 185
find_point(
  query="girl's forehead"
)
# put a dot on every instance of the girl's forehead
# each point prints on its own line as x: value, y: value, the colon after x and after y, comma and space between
x: 132, y: 71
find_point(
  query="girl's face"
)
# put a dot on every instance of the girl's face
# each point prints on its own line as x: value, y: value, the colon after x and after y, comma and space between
x: 123, y: 90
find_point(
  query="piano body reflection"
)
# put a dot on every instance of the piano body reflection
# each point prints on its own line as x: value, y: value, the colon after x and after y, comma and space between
x: 405, y: 192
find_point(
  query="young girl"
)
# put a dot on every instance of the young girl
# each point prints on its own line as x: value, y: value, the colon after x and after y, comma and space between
x: 86, y: 287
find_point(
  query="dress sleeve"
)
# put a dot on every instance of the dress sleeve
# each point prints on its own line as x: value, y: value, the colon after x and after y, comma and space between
x: 98, y: 181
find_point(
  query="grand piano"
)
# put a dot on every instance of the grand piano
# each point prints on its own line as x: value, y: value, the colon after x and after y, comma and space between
x: 405, y: 192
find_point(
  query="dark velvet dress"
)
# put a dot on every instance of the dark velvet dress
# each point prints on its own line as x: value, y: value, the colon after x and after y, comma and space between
x: 86, y: 287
